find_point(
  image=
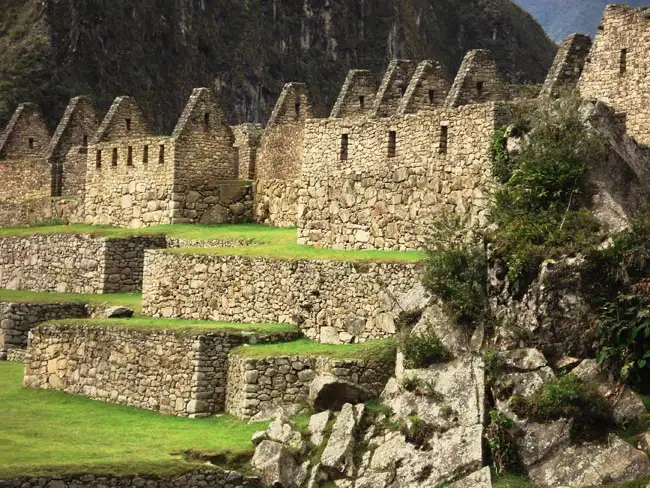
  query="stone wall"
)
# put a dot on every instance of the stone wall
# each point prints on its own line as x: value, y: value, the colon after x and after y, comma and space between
x: 258, y: 385
x: 374, y: 200
x: 174, y: 372
x: 213, y: 479
x: 247, y: 142
x: 618, y: 67
x: 276, y: 202
x: 16, y: 320
x: 357, y: 94
x: 331, y: 301
x: 567, y: 65
x: 476, y: 81
x: 71, y: 263
x: 65, y: 210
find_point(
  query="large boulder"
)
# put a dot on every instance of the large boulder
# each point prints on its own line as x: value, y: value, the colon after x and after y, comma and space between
x: 338, y: 456
x: 446, y: 395
x: 479, y: 479
x: 276, y: 465
x: 117, y: 312
x: 541, y: 441
x: 328, y: 392
x: 627, y: 406
x: 317, y: 426
x: 591, y: 464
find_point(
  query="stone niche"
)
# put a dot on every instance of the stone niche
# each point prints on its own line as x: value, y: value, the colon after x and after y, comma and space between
x: 259, y: 385
x: 331, y: 301
x: 174, y: 372
x: 73, y: 263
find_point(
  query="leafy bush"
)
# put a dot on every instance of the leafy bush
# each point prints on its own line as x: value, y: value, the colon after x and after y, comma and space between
x: 418, y: 431
x: 422, y: 350
x: 501, y: 435
x: 458, y: 275
x: 539, y: 210
x: 568, y: 397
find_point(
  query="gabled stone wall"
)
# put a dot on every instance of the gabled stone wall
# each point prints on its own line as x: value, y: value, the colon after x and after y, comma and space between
x: 617, y: 69
x: 260, y: 385
x: 331, y: 301
x: 374, y: 200
x: 567, y: 65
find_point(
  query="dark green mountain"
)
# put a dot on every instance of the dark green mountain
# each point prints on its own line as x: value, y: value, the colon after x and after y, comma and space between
x: 158, y: 50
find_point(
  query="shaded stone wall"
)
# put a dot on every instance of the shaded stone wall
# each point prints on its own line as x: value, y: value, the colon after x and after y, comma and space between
x: 276, y: 202
x: 174, y: 372
x: 247, y: 142
x: 375, y: 201
x: 476, y: 81
x: 212, y: 478
x: 67, y: 210
x: 618, y: 67
x: 258, y: 385
x: 70, y: 263
x: 393, y: 87
x: 357, y: 94
x: 331, y: 301
x: 428, y: 88
x: 16, y: 320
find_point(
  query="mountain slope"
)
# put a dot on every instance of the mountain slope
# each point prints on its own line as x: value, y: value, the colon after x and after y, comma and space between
x: 563, y: 17
x: 158, y: 51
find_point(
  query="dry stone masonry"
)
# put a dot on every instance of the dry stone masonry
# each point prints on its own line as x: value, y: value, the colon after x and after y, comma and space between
x: 175, y: 372
x: 331, y: 301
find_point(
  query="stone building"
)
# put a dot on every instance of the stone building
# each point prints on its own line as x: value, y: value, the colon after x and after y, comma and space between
x: 617, y: 69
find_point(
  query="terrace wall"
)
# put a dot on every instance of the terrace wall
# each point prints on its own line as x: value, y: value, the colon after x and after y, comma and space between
x: 67, y: 210
x: 276, y: 202
x: 212, y: 478
x: 174, y: 372
x: 331, y: 301
x: 259, y: 385
x: 16, y: 320
x: 72, y: 263
x: 372, y: 199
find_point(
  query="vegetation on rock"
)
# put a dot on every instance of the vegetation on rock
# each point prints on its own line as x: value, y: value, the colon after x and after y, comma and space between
x: 423, y: 349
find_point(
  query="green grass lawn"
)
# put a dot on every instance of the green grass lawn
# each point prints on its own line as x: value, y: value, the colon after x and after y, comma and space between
x: 270, y: 242
x: 152, y: 323
x: 304, y: 347
x: 49, y: 432
x: 131, y: 300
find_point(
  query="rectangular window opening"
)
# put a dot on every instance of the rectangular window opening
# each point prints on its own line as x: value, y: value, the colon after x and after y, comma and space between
x: 129, y: 156
x: 128, y: 125
x: 392, y: 144
x: 432, y: 96
x: 362, y: 101
x: 444, y: 136
x: 84, y: 141
x: 31, y: 142
x: 161, y: 155
x: 114, y: 160
x: 479, y: 87
x: 206, y: 121
x: 145, y: 155
x: 98, y: 159
x: 297, y: 107
x: 623, y: 61
x: 344, y: 147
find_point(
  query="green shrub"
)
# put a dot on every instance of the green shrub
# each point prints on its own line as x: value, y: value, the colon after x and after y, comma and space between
x: 423, y: 350
x: 458, y: 276
x: 501, y: 435
x: 418, y: 432
x: 502, y: 165
x: 568, y: 397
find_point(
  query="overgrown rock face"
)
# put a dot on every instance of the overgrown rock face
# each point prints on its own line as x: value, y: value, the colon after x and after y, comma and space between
x: 159, y: 51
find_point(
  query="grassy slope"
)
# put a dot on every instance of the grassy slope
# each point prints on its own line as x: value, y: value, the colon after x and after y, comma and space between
x: 304, y: 347
x: 148, y: 323
x: 271, y: 242
x: 131, y: 300
x: 47, y: 431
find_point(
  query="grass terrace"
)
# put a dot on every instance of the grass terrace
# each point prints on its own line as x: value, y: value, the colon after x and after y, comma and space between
x: 268, y: 242
x: 181, y: 325
x: 131, y: 300
x: 48, y: 432
x: 366, y: 350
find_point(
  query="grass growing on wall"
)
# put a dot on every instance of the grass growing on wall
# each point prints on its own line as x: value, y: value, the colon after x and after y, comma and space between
x: 151, y: 323
x: 379, y: 349
x: 50, y: 432
x: 131, y: 300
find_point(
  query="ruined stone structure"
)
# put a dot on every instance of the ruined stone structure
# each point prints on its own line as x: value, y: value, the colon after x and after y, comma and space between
x: 617, y: 69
